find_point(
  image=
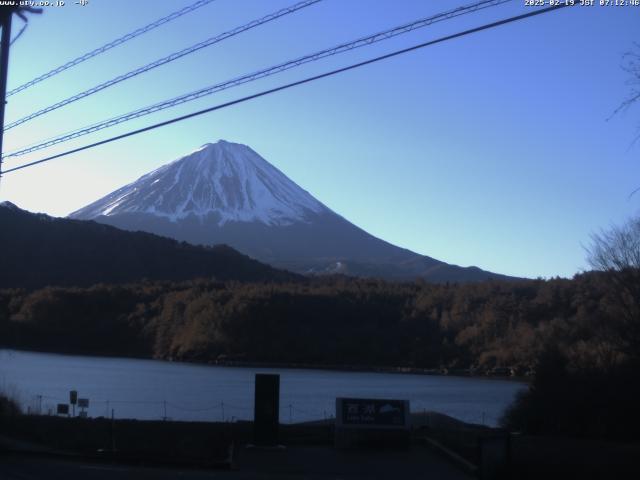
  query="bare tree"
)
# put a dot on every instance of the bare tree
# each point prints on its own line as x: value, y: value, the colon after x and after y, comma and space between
x: 616, y: 252
x: 631, y: 65
x: 617, y: 249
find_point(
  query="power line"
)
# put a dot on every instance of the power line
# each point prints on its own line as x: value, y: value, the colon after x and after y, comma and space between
x: 112, y: 44
x: 163, y: 61
x: 22, y: 30
x: 361, y: 42
x: 294, y: 84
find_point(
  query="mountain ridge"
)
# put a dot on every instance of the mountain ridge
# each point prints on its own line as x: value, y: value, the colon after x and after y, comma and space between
x: 227, y: 193
x: 39, y: 250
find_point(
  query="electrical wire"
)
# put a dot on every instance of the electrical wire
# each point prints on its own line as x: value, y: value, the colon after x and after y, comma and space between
x: 190, y: 409
x: 22, y: 30
x: 165, y: 60
x: 297, y: 83
x: 361, y: 42
x: 110, y: 45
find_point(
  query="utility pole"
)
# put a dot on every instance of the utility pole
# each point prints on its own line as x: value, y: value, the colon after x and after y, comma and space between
x: 6, y: 14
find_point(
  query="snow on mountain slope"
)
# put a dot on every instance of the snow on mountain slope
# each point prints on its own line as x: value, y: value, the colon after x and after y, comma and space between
x: 225, y: 180
x: 225, y: 193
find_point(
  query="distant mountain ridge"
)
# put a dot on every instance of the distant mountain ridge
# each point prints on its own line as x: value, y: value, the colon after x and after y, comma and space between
x: 39, y: 250
x: 227, y: 193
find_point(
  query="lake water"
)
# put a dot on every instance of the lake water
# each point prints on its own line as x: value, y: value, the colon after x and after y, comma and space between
x: 150, y: 389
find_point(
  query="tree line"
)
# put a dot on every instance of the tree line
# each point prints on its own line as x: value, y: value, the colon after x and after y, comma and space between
x: 333, y: 320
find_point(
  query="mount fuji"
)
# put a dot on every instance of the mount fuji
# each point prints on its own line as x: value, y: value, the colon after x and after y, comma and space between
x: 227, y: 193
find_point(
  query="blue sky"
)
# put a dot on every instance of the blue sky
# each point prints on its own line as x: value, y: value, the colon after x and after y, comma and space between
x: 491, y: 150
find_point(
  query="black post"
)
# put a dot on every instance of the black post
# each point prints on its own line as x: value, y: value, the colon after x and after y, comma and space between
x: 267, y: 409
x: 113, y: 434
x: 4, y: 66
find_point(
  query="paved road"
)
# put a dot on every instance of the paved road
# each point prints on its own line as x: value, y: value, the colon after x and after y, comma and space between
x: 297, y: 463
x: 23, y: 467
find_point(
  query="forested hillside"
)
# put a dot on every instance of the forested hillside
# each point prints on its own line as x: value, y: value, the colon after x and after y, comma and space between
x: 324, y: 321
x: 39, y: 250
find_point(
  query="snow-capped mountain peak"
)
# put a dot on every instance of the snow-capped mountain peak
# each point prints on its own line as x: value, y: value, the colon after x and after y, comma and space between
x: 225, y: 193
x: 226, y: 181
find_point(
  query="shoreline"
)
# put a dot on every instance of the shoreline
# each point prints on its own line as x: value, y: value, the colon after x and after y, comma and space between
x: 461, y: 373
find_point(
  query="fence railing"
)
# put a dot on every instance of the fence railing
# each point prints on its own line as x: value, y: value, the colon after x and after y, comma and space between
x: 218, y: 411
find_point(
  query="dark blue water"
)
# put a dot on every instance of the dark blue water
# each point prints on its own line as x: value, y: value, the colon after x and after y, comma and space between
x: 146, y: 389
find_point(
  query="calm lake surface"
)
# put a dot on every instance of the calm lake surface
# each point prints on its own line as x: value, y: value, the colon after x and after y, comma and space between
x: 146, y: 389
